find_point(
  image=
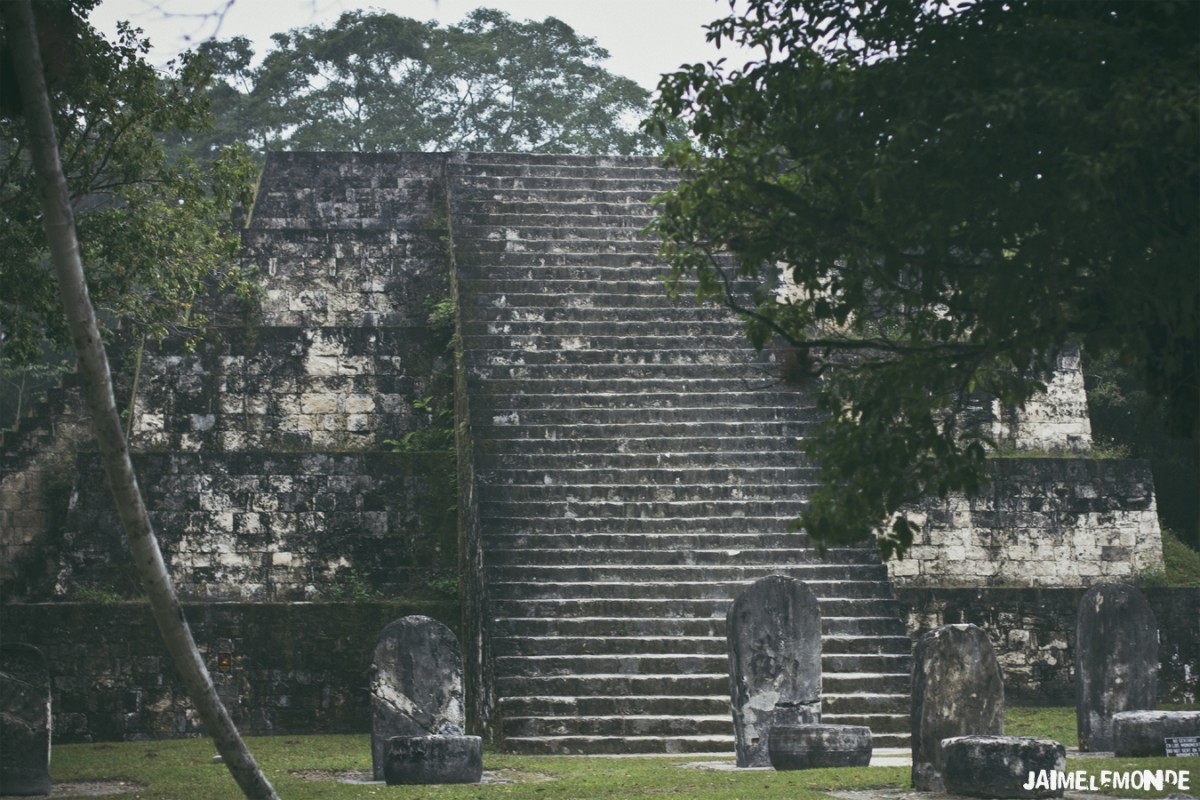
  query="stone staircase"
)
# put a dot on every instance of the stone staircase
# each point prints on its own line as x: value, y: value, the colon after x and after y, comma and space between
x: 637, y: 467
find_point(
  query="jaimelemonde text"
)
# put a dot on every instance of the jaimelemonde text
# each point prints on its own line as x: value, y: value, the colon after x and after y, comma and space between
x: 1083, y: 781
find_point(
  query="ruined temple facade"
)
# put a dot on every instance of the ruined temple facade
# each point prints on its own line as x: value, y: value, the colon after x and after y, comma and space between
x: 621, y: 464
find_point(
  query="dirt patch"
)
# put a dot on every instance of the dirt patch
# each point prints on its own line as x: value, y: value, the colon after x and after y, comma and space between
x: 339, y: 775
x: 516, y: 776
x: 103, y: 788
x: 364, y: 776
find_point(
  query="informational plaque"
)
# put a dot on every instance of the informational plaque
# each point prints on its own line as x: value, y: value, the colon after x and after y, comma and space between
x: 1182, y: 745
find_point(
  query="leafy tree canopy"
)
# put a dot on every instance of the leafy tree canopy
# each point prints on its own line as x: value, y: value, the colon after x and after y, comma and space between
x: 154, y: 232
x: 949, y: 192
x: 375, y: 81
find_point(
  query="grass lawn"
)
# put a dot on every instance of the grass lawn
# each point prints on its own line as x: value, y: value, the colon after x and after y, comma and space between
x: 167, y: 767
x: 304, y: 767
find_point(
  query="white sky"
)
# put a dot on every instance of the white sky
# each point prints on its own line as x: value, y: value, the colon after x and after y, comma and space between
x: 645, y: 37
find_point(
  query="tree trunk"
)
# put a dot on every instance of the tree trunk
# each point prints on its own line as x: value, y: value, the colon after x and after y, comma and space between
x: 59, y: 222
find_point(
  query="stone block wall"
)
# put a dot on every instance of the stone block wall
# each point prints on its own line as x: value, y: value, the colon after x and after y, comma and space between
x: 1055, y: 421
x: 1033, y: 633
x: 274, y: 526
x: 296, y: 668
x: 264, y: 454
x: 36, y: 469
x: 291, y: 390
x: 1039, y: 522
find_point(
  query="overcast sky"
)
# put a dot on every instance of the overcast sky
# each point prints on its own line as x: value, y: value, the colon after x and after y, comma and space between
x: 645, y: 37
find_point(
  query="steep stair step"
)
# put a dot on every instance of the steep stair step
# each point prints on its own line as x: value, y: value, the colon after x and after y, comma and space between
x: 863, y: 668
x: 616, y: 705
x: 736, y: 404
x: 656, y: 476
x: 539, y: 548
x: 688, y: 607
x: 492, y: 464
x: 647, y: 181
x: 481, y: 210
x: 831, y: 594
x: 625, y: 726
x: 633, y: 195
x: 626, y: 664
x: 531, y: 248
x: 697, y: 645
x: 683, y: 386
x: 613, y: 684
x: 856, y: 703
x: 816, y: 575
x: 528, y: 300
x: 492, y: 215
x: 645, y: 492
x: 587, y: 360
x: 632, y: 169
x: 673, y: 626
x: 515, y: 325
x: 657, y: 509
x: 606, y: 341
x: 562, y: 230
x: 619, y: 745
x: 614, y: 444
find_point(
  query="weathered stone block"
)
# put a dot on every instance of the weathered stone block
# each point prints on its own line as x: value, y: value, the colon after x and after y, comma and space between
x: 957, y: 690
x: 1002, y: 766
x: 433, y: 759
x: 416, y: 685
x: 774, y: 633
x: 24, y: 721
x: 1117, y: 660
x: 815, y: 746
x: 1139, y: 734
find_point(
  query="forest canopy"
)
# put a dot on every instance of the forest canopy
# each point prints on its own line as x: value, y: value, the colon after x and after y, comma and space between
x: 952, y: 193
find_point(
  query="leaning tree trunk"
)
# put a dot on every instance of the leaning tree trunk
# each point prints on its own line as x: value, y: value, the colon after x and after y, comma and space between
x: 59, y: 222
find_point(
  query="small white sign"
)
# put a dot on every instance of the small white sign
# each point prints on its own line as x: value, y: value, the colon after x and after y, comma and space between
x: 1182, y: 745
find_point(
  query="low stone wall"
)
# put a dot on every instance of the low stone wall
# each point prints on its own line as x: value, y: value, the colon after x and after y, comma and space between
x: 1050, y: 522
x: 294, y: 668
x: 302, y: 667
x: 1033, y: 632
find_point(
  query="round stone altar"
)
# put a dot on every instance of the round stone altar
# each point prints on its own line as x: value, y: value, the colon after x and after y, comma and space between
x: 814, y: 746
x: 1002, y: 766
x: 1140, y: 734
x: 433, y: 759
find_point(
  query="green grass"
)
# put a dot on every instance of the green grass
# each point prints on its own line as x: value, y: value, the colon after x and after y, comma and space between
x: 183, y: 770
x: 1182, y: 562
x: 1057, y: 723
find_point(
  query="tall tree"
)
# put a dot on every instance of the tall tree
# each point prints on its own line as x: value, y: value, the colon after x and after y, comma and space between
x: 58, y: 221
x: 949, y: 192
x: 155, y: 231
x: 375, y: 81
x: 1129, y: 420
